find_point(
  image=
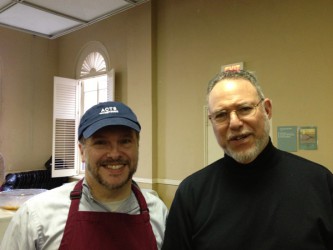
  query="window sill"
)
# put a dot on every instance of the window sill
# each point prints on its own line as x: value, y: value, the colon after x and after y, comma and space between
x: 76, y: 177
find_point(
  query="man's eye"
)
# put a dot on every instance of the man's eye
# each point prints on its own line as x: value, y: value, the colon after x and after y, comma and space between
x: 126, y: 141
x: 245, y: 110
x: 100, y: 142
x: 221, y: 115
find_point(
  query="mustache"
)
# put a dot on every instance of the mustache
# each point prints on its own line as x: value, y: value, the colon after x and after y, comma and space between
x: 240, y: 135
x: 113, y: 162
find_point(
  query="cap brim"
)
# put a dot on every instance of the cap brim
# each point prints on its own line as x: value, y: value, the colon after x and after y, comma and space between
x: 109, y: 122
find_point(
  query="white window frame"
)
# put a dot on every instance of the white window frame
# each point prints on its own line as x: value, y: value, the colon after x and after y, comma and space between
x: 67, y: 111
x: 67, y: 108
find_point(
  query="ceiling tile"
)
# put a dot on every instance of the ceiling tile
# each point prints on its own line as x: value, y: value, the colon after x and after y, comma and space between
x: 29, y: 18
x: 83, y: 9
x: 54, y: 18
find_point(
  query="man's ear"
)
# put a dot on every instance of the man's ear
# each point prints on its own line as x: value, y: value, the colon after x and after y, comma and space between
x: 81, y: 148
x: 268, y: 107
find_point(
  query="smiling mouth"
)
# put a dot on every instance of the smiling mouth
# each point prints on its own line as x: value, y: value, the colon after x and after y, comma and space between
x: 114, y: 167
x: 238, y: 137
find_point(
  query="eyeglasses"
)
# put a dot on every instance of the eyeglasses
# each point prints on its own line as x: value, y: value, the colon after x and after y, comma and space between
x: 244, y: 111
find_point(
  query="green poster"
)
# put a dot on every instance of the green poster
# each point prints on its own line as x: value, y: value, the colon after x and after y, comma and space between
x: 308, y: 138
x: 287, y: 138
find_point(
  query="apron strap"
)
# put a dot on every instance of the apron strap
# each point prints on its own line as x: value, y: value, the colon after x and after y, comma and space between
x: 141, y: 200
x: 76, y: 195
x: 74, y: 215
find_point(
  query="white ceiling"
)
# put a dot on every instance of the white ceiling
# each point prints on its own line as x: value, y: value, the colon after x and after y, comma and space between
x: 54, y: 18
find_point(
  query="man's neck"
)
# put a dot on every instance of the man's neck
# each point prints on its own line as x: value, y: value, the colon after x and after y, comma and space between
x: 104, y: 194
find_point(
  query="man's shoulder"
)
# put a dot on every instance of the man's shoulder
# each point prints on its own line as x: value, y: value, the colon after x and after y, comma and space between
x: 154, y: 202
x: 58, y: 195
x: 204, y: 175
x: 301, y: 162
x: 208, y: 170
x: 151, y: 196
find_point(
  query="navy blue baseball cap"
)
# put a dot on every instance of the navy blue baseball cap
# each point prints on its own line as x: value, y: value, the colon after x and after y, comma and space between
x: 106, y: 114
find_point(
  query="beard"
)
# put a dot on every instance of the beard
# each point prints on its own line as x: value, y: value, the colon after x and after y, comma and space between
x: 94, y: 171
x: 249, y: 155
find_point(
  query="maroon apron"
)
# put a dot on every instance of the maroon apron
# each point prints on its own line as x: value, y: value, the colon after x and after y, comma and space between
x: 107, y: 230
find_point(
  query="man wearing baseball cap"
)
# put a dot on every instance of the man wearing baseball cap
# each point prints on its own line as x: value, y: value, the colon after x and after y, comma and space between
x: 104, y: 210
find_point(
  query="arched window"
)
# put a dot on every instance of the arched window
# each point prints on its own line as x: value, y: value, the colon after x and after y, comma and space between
x: 93, y: 64
x: 97, y: 85
x: 93, y: 60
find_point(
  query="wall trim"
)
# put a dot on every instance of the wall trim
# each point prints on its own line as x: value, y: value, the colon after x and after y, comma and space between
x: 157, y: 181
x: 144, y: 180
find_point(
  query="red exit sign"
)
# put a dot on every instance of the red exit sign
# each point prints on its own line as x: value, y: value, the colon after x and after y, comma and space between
x: 233, y: 67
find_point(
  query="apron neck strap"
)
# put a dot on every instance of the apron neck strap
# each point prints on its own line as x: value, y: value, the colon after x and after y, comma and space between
x: 76, y: 194
x: 140, y: 198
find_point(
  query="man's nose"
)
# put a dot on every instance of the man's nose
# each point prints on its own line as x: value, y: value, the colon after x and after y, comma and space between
x: 234, y: 120
x: 113, y: 151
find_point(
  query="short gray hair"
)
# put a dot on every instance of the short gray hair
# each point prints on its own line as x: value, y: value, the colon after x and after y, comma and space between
x: 235, y: 74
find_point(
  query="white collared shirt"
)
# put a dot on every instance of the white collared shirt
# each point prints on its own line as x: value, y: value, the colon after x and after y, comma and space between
x: 40, y: 222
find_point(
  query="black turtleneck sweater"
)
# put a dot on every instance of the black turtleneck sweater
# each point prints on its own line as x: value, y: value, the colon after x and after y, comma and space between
x: 279, y: 201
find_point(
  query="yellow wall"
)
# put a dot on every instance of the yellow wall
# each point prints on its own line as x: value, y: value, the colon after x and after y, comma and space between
x: 164, y: 53
x: 287, y: 43
x: 27, y: 66
x: 127, y: 38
